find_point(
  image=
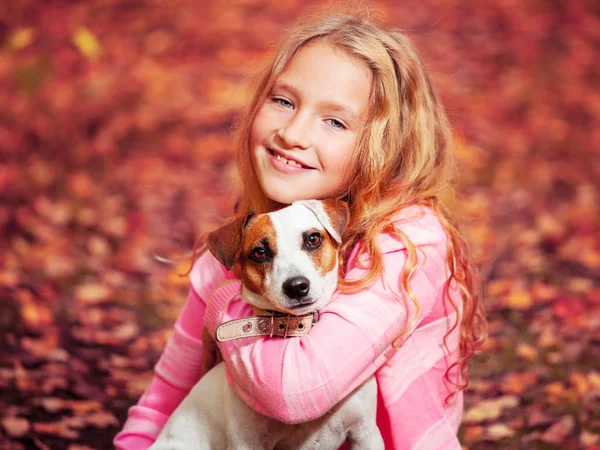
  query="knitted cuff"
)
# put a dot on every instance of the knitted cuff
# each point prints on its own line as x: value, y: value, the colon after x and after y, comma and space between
x: 217, y: 304
x: 142, y: 428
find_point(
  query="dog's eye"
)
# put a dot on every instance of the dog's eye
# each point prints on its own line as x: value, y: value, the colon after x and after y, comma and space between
x: 314, y: 240
x: 258, y: 254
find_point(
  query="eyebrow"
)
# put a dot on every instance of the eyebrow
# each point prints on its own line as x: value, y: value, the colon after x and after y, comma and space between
x: 330, y: 105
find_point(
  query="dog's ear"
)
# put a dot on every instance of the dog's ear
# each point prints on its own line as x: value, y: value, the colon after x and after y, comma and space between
x: 225, y: 243
x: 333, y: 214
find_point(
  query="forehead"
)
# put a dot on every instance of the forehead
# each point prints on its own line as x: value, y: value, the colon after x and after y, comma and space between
x: 258, y: 229
x: 327, y: 74
x: 294, y: 220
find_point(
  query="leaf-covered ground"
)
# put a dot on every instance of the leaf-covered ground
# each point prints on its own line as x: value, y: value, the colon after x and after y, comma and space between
x: 115, y: 147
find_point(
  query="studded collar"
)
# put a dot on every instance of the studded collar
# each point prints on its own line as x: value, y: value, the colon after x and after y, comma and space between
x: 266, y: 323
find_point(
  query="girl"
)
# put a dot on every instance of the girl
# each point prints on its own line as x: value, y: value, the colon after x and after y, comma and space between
x: 345, y: 110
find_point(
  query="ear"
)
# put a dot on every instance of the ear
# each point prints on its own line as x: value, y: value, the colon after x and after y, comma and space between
x: 333, y: 214
x: 225, y: 243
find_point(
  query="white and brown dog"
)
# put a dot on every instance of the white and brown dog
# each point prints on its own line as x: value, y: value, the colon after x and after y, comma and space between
x: 289, y: 265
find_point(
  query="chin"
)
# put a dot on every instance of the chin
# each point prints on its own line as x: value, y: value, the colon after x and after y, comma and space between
x: 283, y: 196
x: 284, y: 199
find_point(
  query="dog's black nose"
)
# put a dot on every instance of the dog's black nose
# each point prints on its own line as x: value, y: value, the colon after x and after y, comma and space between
x: 296, y: 287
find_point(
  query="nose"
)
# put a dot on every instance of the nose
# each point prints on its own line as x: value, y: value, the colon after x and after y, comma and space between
x: 297, y: 287
x: 295, y: 133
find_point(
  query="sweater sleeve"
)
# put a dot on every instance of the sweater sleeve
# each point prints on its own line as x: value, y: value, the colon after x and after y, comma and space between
x: 299, y: 379
x: 179, y: 367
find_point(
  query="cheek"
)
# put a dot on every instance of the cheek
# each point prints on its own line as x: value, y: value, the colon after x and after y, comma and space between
x: 261, y: 127
x: 254, y: 276
x: 324, y: 258
x: 339, y: 155
x: 255, y: 132
x: 257, y: 140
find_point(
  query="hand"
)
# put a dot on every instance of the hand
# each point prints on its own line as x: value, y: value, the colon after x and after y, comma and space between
x: 211, y: 353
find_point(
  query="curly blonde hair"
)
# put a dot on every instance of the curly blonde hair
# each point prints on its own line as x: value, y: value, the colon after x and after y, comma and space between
x: 405, y: 159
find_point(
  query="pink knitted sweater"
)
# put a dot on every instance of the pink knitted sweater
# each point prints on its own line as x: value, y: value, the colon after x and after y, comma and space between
x: 299, y: 379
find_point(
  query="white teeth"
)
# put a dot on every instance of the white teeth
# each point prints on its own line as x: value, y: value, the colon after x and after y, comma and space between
x: 288, y: 161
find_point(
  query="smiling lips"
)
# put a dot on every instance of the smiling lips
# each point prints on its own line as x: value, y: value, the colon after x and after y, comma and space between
x: 290, y: 162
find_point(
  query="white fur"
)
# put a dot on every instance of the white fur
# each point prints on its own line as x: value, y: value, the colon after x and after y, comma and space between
x: 316, y: 207
x: 213, y: 417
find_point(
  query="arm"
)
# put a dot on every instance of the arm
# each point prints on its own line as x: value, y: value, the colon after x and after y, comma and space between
x: 180, y: 365
x: 299, y: 379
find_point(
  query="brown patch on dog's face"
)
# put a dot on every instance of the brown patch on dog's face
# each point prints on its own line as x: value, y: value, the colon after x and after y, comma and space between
x: 259, y: 237
x: 325, y: 255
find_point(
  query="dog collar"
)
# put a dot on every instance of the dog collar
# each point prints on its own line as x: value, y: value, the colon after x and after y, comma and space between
x: 266, y: 323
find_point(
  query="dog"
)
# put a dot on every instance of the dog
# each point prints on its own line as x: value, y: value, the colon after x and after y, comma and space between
x: 289, y: 267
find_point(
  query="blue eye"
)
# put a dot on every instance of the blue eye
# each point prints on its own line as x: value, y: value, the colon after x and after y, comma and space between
x: 336, y: 124
x: 283, y: 102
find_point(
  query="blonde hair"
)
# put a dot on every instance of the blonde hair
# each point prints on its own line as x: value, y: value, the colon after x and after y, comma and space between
x: 405, y: 159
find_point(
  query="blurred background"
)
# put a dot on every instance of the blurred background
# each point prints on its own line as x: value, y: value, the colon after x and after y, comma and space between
x: 116, y: 124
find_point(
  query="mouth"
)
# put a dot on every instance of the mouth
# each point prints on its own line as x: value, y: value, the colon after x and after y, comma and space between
x: 300, y: 309
x: 286, y: 160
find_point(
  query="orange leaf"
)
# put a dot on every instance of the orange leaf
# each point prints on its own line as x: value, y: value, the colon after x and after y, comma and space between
x: 16, y: 426
x: 93, y: 293
x: 519, y: 299
x: 490, y: 409
x: 517, y: 383
x: 558, y: 432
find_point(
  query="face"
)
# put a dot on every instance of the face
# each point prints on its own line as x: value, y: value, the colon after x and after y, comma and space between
x: 288, y: 261
x: 304, y: 134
